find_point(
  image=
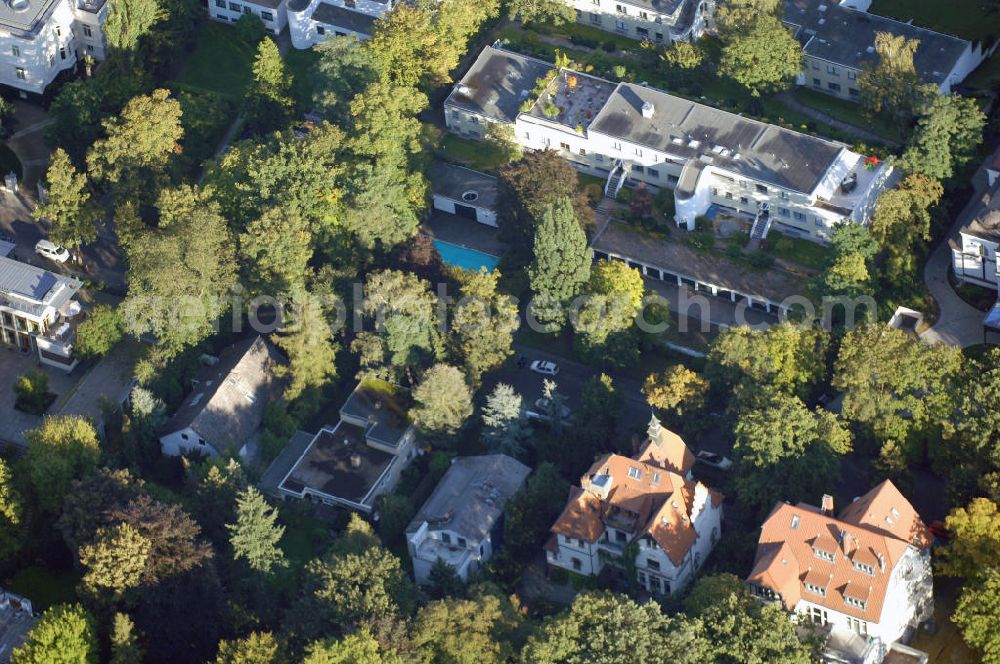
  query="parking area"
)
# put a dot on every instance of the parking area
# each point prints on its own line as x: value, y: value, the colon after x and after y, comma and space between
x: 14, y: 363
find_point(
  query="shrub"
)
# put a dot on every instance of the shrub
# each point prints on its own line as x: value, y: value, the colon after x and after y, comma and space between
x: 101, y: 332
x: 610, y: 46
x: 251, y: 29
x: 760, y: 259
x: 32, y: 392
x: 620, y: 71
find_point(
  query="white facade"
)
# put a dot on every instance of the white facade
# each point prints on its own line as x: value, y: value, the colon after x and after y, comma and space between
x: 312, y: 21
x: 466, y: 209
x: 273, y: 15
x: 645, y: 20
x: 465, y: 556
x: 62, y: 32
x: 974, y: 260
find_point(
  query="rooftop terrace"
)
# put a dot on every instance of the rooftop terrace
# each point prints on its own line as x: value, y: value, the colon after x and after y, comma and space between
x: 338, y: 463
x: 576, y: 97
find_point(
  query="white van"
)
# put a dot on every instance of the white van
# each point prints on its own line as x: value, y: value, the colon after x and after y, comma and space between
x: 51, y: 251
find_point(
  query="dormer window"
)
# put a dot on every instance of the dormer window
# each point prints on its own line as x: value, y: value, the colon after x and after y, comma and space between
x: 828, y: 556
x: 867, y: 569
x: 635, y: 473
x: 815, y: 590
x: 856, y: 603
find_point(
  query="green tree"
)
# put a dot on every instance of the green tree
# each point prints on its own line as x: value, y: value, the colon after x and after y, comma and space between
x: 602, y: 627
x: 269, y: 103
x: 532, y: 511
x: 764, y: 58
x: 483, y: 325
x: 256, y: 534
x: 787, y: 462
x: 125, y: 648
x: 891, y: 85
x: 978, y: 613
x: 357, y: 648
x: 275, y: 251
x: 11, y: 508
x: 526, y: 188
x: 789, y: 357
x: 307, y: 340
x: 902, y: 223
x: 735, y: 15
x: 443, y: 400
x: 403, y: 309
x: 251, y: 29
x: 257, y: 648
x: 947, y: 135
x: 99, y: 332
x: 561, y: 263
x: 443, y: 581
x: 684, y: 55
x: 64, y: 634
x: 32, y: 392
x: 140, y: 145
x: 462, y: 630
x: 75, y: 217
x: 181, y: 273
x: 741, y: 629
x: 343, y: 69
x: 678, y: 389
x: 504, y: 428
x: 130, y: 20
x: 504, y: 141
x: 347, y: 590
x: 975, y: 543
x: 61, y: 450
x: 115, y: 561
x: 894, y: 385
x: 541, y: 11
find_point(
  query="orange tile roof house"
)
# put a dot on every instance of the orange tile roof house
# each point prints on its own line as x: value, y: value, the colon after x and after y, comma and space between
x: 863, y: 575
x: 650, y: 500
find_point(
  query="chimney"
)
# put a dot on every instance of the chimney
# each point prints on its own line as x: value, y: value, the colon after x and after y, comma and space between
x: 881, y: 562
x: 647, y: 109
x: 827, y: 505
x: 355, y: 461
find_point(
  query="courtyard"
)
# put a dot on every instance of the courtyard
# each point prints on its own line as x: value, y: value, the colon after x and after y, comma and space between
x: 15, y: 363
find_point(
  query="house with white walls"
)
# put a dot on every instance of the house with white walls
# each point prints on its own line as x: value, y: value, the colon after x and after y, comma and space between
x: 38, y: 311
x: 624, y: 133
x: 974, y: 252
x: 312, y: 21
x: 838, y: 42
x: 272, y: 13
x: 39, y: 39
x: 656, y: 21
x: 647, y: 507
x: 862, y: 577
x: 226, y: 404
x: 462, y: 520
x: 361, y: 457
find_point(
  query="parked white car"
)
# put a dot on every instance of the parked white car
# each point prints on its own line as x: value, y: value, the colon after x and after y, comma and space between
x: 542, y: 404
x: 545, y: 367
x: 52, y: 251
x: 714, y: 460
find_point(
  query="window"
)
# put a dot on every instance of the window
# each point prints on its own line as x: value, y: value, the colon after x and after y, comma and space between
x: 577, y: 564
x: 221, y: 17
x: 235, y: 6
x: 818, y: 222
x: 798, y: 216
x: 638, y: 169
x: 867, y: 569
x: 815, y: 65
x: 835, y: 87
x: 596, y: 3
x: 825, y: 555
x: 635, y: 473
x: 621, y: 9
x: 671, y: 178
x: 338, y: 33
x: 853, y: 92
x: 744, y: 200
x: 266, y: 16
x: 220, y: 3
x: 320, y: 30
x: 832, y: 70
x: 816, y: 590
x: 642, y: 32
x: 817, y: 615
x: 15, y: 51
x: 642, y: 578
x: 564, y: 146
x: 659, y: 36
x: 644, y: 16
x: 247, y: 10
x: 857, y: 626
x: 638, y: 152
x: 653, y: 564
x: 446, y: 538
x: 761, y: 189
x: 599, y: 157
x: 90, y: 47
x: 62, y: 52
x: 653, y: 173
x: 817, y: 83
x: 620, y: 26
x: 855, y: 602
x: 58, y: 31
x: 620, y: 536
x: 616, y: 145
x: 729, y: 195
x: 583, y: 152
x: 184, y: 436
x: 654, y: 584
x: 595, y: 18
x: 784, y: 212
x: 462, y: 542
x: 852, y: 76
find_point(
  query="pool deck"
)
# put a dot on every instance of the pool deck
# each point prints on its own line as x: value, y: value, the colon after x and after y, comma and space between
x: 464, y: 233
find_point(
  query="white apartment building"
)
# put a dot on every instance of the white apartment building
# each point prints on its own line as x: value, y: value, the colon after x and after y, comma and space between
x: 272, y: 13
x: 460, y: 521
x: 863, y: 577
x: 37, y: 311
x: 649, y: 500
x: 658, y: 21
x: 838, y: 41
x: 627, y: 133
x: 312, y: 21
x: 974, y: 254
x: 39, y: 39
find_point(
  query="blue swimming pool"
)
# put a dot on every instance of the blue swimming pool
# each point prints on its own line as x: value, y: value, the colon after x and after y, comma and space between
x: 467, y: 259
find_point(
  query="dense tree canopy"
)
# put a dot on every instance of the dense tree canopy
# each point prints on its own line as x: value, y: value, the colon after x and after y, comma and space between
x: 64, y: 634
x: 443, y: 400
x: 561, y: 263
x: 946, y: 137
x: 61, y: 450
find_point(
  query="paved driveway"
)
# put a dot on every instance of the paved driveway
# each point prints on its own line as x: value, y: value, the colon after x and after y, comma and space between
x: 13, y: 363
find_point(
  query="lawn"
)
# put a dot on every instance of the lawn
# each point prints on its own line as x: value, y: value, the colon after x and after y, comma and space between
x: 847, y: 111
x: 44, y: 587
x: 805, y: 253
x: 476, y: 155
x: 221, y: 62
